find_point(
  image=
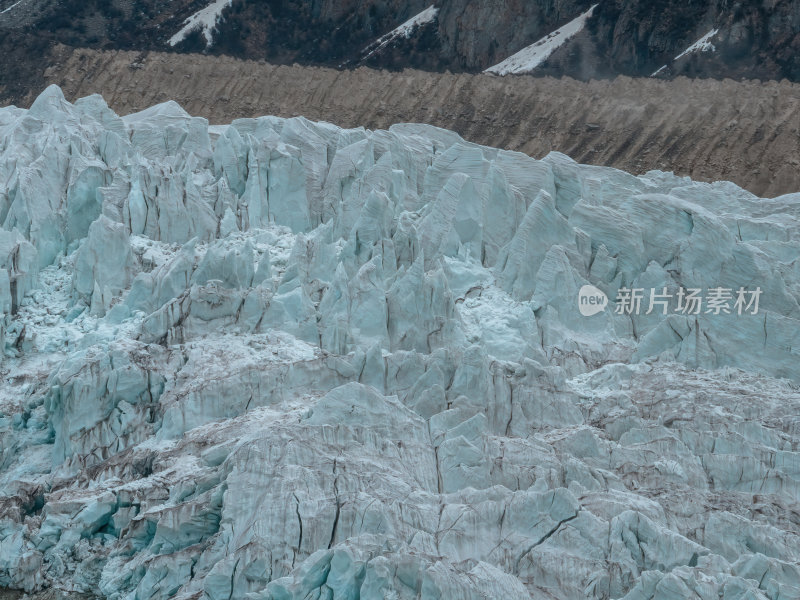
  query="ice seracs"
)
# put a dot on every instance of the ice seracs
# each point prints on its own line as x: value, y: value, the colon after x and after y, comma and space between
x: 282, y: 359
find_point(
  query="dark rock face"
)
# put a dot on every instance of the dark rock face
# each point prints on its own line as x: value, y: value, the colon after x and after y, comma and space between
x: 635, y: 38
x: 475, y: 35
x: 754, y: 39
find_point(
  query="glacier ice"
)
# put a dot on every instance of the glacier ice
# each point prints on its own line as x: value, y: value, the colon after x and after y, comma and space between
x: 283, y: 360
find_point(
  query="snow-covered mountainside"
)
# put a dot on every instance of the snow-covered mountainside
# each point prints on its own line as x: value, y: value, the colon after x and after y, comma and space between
x: 283, y: 360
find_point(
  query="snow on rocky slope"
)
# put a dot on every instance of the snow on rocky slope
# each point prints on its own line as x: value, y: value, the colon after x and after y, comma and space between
x: 530, y: 57
x: 283, y: 360
x: 204, y: 20
x: 402, y: 31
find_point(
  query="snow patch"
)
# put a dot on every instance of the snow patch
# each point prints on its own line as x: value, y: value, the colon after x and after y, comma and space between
x: 405, y: 30
x: 657, y: 71
x: 5, y: 10
x: 205, y: 20
x: 532, y: 56
x: 702, y: 45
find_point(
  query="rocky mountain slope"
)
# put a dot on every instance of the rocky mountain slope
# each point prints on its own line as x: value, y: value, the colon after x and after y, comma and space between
x: 718, y: 39
x: 283, y: 360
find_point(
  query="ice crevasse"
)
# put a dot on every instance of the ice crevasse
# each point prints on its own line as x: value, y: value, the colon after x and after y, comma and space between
x: 283, y: 360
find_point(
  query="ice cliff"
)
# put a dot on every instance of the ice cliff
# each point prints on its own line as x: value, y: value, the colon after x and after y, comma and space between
x: 279, y: 360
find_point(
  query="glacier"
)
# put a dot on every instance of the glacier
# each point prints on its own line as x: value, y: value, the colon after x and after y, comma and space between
x: 281, y: 360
